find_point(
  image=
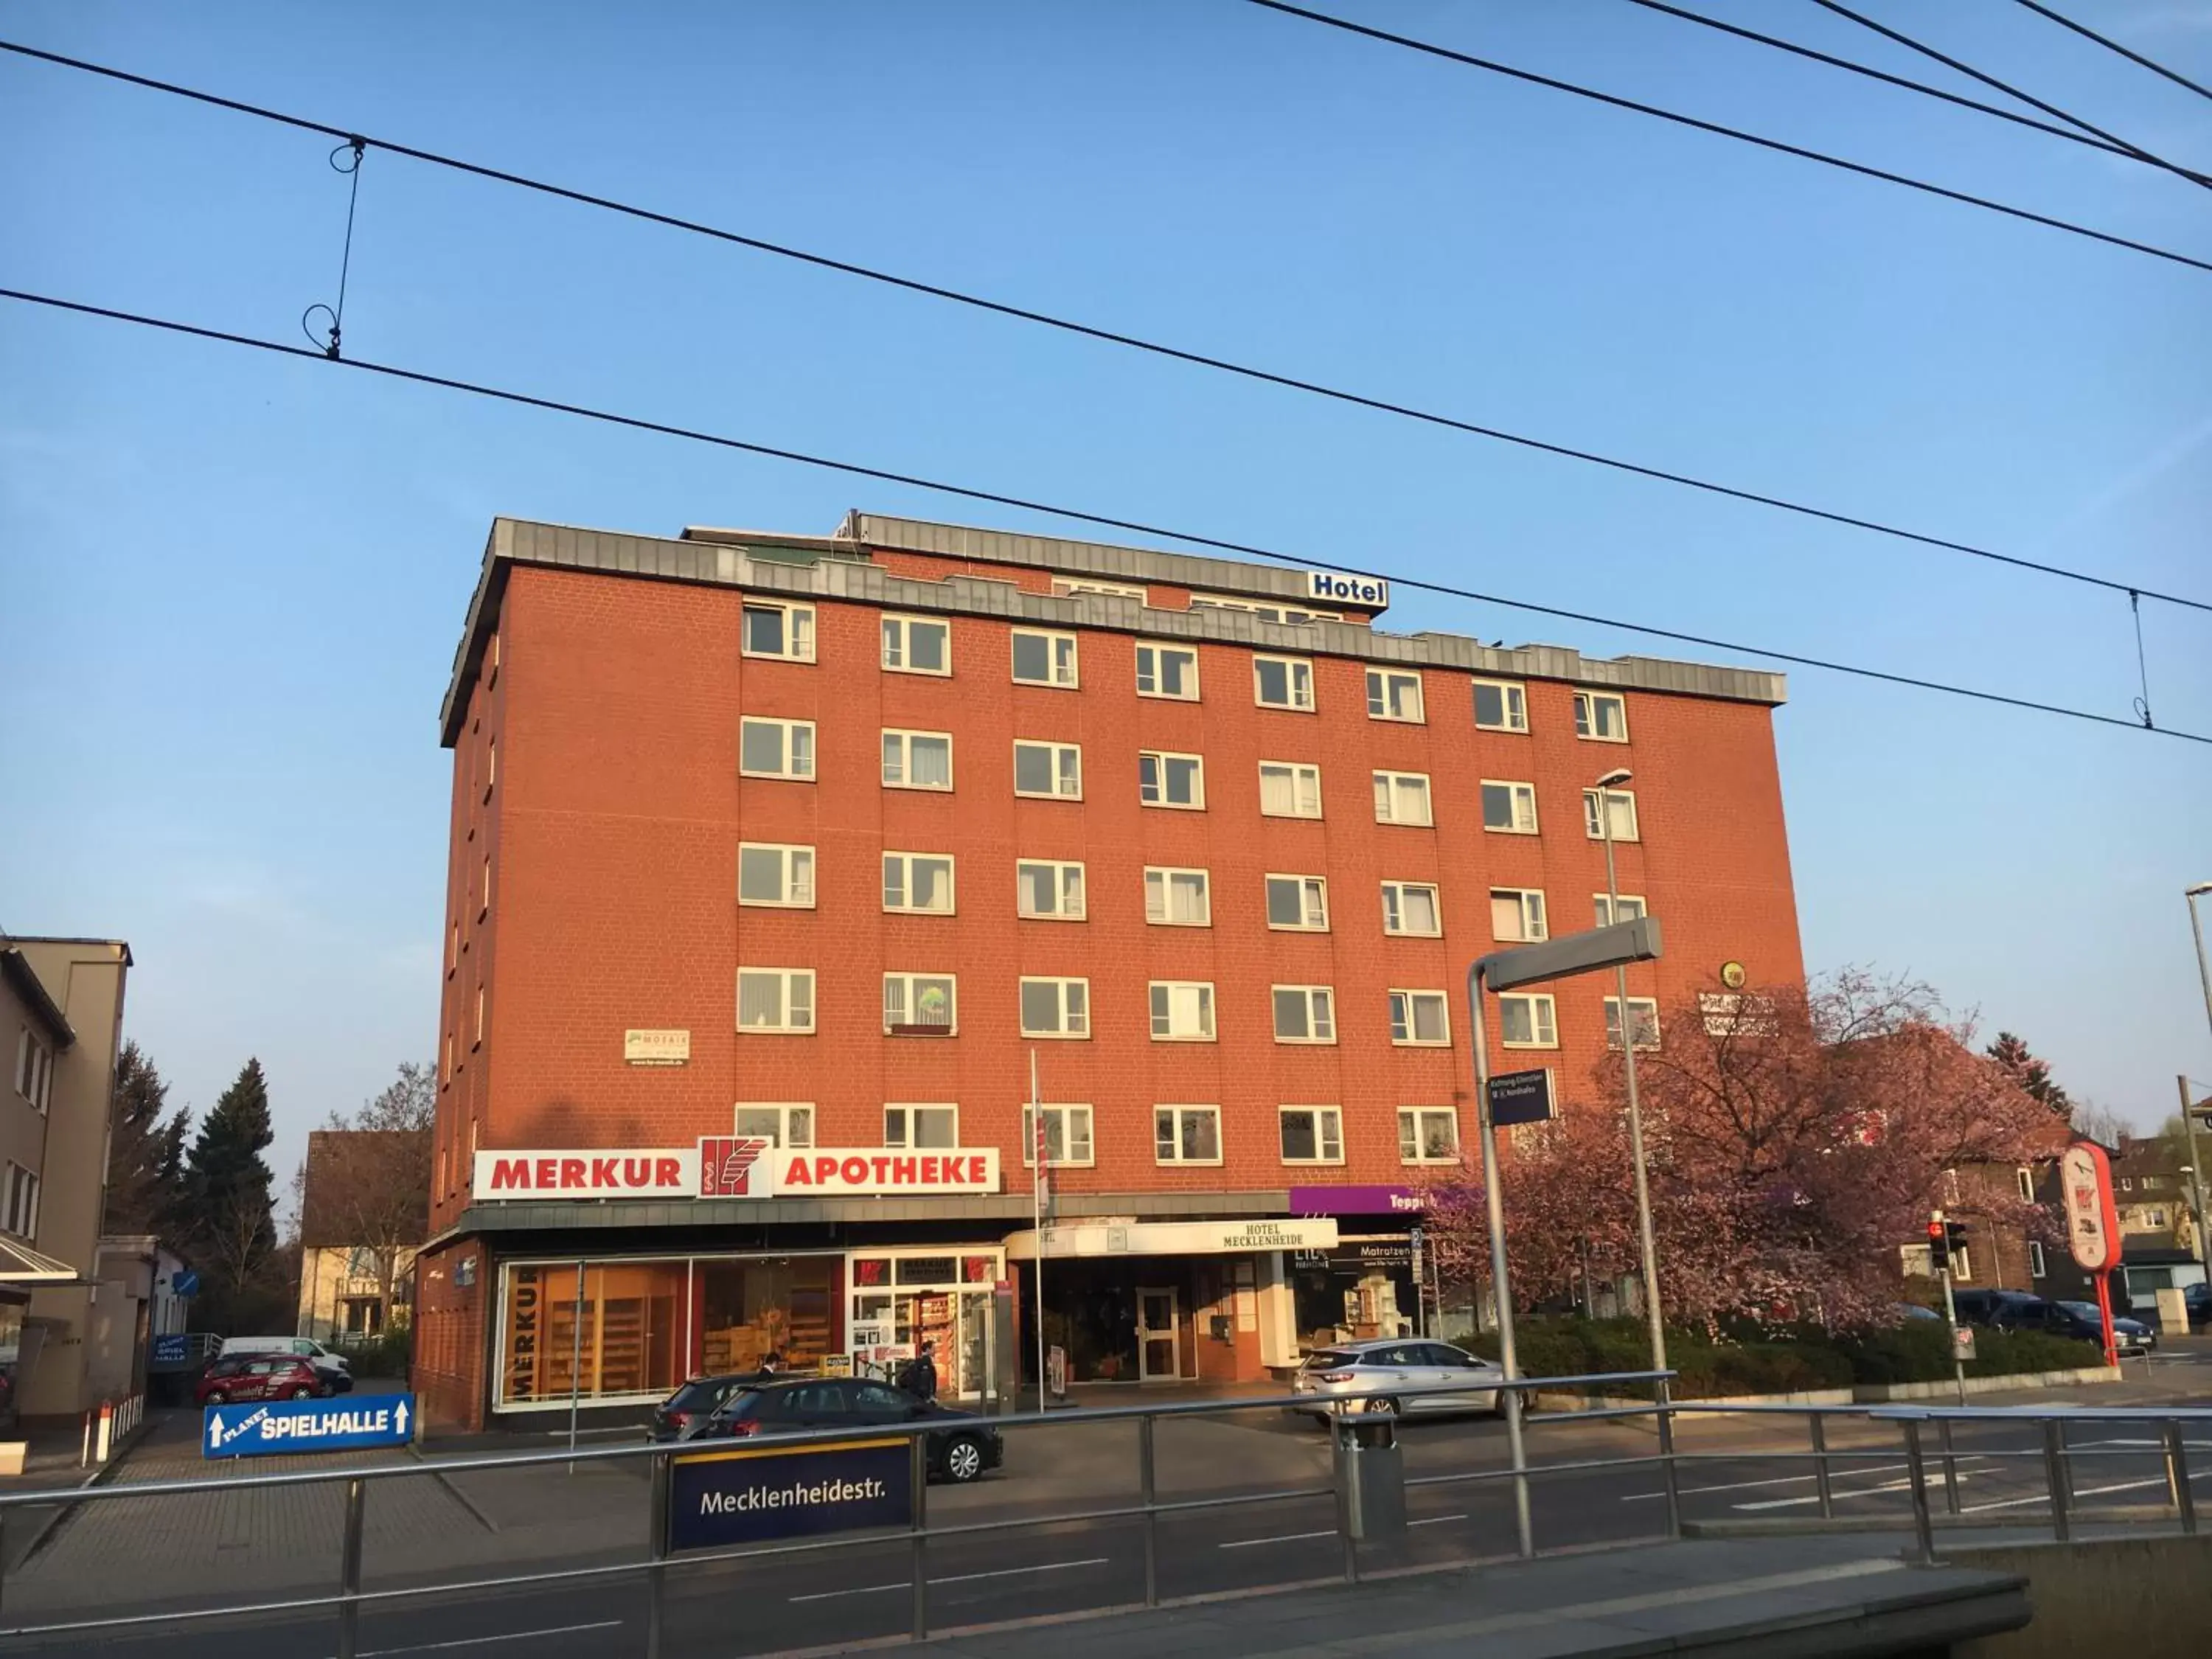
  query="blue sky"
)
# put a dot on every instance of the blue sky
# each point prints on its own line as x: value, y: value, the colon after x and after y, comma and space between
x: 230, y: 587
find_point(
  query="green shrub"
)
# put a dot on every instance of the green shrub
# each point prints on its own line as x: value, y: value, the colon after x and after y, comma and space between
x: 2006, y: 1354
x: 385, y: 1356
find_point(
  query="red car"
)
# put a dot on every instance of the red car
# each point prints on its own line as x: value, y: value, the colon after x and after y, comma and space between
x: 259, y: 1377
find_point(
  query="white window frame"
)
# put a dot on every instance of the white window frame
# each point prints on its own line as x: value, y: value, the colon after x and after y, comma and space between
x: 789, y: 856
x: 789, y: 977
x: 1586, y: 719
x: 1183, y: 1114
x: 1317, y: 1004
x: 1418, y: 1119
x: 1058, y: 752
x: 797, y: 619
x: 1158, y: 759
x: 1543, y: 1019
x: 1289, y: 616
x: 1059, y: 675
x: 1295, y: 669
x: 484, y: 895
x: 1402, y: 1017
x: 1060, y: 869
x: 1614, y: 800
x: 906, y: 885
x: 1154, y: 650
x: 1162, y: 995
x: 898, y: 642
x: 1391, y: 786
x: 909, y: 1001
x: 1513, y: 700
x: 2038, y: 1267
x: 787, y: 730
x: 2026, y: 1179
x: 1312, y: 890
x: 1066, y: 1115
x: 905, y: 1111
x: 1327, y: 1131
x: 22, y: 1199
x: 783, y: 1137
x: 1394, y: 905
x: 1532, y: 926
x: 1067, y: 586
x: 1074, y: 1025
x: 1156, y: 916
x: 1301, y: 777
x: 1638, y: 1006
x: 1384, y: 685
x: 905, y: 737
x: 1633, y: 908
x: 1521, y: 793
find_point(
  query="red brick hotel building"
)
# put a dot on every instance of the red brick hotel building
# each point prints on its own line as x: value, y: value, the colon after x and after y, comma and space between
x: 775, y: 859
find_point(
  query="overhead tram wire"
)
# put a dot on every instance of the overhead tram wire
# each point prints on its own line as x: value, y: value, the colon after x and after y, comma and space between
x: 1905, y: 81
x: 1112, y: 336
x: 2010, y: 91
x: 997, y: 498
x: 2132, y: 56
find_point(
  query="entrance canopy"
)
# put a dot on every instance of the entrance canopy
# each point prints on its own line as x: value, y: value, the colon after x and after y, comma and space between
x: 1092, y: 1238
x: 25, y: 1269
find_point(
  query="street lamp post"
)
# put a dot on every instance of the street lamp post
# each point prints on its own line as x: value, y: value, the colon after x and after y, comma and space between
x: 1646, y: 1237
x: 2188, y: 1112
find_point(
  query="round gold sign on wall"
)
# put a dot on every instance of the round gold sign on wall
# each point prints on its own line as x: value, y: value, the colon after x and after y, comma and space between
x: 1732, y: 976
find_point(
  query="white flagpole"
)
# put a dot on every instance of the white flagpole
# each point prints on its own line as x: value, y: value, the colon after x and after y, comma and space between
x: 1038, y: 1143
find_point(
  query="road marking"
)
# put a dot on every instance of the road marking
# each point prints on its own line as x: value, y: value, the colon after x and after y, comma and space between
x: 1283, y: 1538
x: 478, y: 1640
x: 1434, y: 1520
x: 2079, y: 1492
x: 955, y: 1578
x: 1790, y: 1479
x: 1839, y: 1493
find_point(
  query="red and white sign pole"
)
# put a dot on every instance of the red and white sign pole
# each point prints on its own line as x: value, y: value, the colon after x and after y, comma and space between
x: 1040, y: 1200
x: 2092, y: 1225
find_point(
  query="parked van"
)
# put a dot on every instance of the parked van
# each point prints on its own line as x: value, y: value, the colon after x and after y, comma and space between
x: 334, y: 1366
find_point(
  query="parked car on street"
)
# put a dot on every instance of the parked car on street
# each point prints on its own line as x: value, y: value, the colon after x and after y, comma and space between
x: 962, y: 1445
x: 1989, y: 1307
x: 260, y: 1377
x: 336, y: 1369
x: 1369, y: 1376
x: 2078, y: 1320
x: 696, y: 1401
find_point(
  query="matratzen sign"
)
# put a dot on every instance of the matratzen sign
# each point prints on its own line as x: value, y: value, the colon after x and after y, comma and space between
x: 733, y: 1166
x: 2092, y: 1225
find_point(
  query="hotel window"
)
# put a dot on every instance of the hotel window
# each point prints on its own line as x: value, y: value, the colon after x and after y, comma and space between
x: 1393, y: 696
x: 1630, y: 909
x: 1187, y: 1134
x: 1167, y: 671
x: 491, y: 766
x: 1066, y: 1134
x: 1057, y: 1007
x: 1402, y: 798
x: 921, y: 1005
x: 1420, y: 1018
x: 1177, y: 898
x: 1428, y: 1134
x: 1283, y: 683
x: 1070, y: 585
x: 921, y: 882
x: 922, y: 1128
x: 775, y: 876
x: 1643, y: 1012
x: 1042, y: 659
x: 778, y: 630
x: 1182, y: 1012
x: 1053, y: 771
x: 449, y: 1056
x: 787, y: 1124
x: 1169, y: 780
x: 23, y: 1218
x: 1312, y: 1134
x: 916, y: 644
x: 776, y: 749
x: 1517, y: 915
x: 483, y: 904
x: 1305, y: 1013
x: 1289, y: 790
x: 452, y: 949
x: 481, y: 1004
x: 1620, y: 806
x: 1509, y: 809
x: 917, y: 760
x: 1292, y: 616
x: 491, y: 662
x: 1500, y: 706
x: 1601, y: 716
x: 775, y: 999
x: 1048, y: 891
x: 1528, y: 1021
x: 2036, y: 1268
x: 1299, y: 902
x: 1410, y: 907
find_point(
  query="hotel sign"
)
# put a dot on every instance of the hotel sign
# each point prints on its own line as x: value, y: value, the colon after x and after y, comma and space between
x: 1178, y: 1238
x: 733, y: 1166
x: 1348, y: 587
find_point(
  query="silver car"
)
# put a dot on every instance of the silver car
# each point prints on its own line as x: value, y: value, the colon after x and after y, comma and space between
x: 1382, y: 1375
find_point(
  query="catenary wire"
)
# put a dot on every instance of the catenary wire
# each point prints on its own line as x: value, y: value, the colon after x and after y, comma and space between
x: 2127, y: 52
x: 1991, y: 80
x: 997, y: 498
x: 1924, y: 87
x: 1111, y: 336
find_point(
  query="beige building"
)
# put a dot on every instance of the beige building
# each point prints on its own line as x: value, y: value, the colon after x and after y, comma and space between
x: 364, y: 1211
x: 65, y: 1334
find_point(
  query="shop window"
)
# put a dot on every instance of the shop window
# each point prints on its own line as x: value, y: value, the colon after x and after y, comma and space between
x: 619, y: 1336
x: 922, y: 1128
x: 783, y: 1123
x: 750, y: 1309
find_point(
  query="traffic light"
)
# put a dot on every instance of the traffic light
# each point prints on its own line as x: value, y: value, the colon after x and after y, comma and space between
x: 1939, y: 1246
x: 1955, y: 1239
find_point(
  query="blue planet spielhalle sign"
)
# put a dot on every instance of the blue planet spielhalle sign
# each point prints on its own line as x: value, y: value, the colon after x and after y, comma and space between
x: 1521, y: 1096
x: 271, y: 1427
x: 756, y: 1494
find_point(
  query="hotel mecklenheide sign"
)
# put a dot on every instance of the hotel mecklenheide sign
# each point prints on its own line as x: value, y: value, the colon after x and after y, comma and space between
x: 732, y: 1166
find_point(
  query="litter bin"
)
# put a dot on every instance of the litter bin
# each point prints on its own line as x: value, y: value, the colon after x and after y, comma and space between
x: 1371, y: 1476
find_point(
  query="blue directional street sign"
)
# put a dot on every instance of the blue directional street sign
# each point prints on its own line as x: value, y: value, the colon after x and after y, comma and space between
x: 345, y: 1424
x: 185, y: 1282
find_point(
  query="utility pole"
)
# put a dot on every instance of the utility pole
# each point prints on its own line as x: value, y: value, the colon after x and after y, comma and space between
x: 2195, y: 1175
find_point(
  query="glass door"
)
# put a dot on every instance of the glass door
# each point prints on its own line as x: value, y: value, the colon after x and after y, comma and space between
x: 1159, y: 1336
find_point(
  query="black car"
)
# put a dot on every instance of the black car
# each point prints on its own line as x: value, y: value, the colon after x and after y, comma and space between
x: 962, y: 1445
x: 2078, y: 1320
x: 693, y: 1403
x: 1991, y: 1307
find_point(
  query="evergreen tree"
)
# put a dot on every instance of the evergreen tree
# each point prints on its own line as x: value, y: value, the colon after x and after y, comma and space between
x: 2033, y: 1075
x: 146, y: 1151
x: 227, y: 1185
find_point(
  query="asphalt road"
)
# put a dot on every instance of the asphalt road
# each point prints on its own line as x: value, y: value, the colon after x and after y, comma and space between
x: 865, y: 1588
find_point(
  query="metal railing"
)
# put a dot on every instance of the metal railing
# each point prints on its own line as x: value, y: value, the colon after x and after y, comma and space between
x: 1667, y: 1458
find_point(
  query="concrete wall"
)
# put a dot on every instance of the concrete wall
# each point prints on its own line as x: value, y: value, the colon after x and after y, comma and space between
x: 2147, y: 1597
